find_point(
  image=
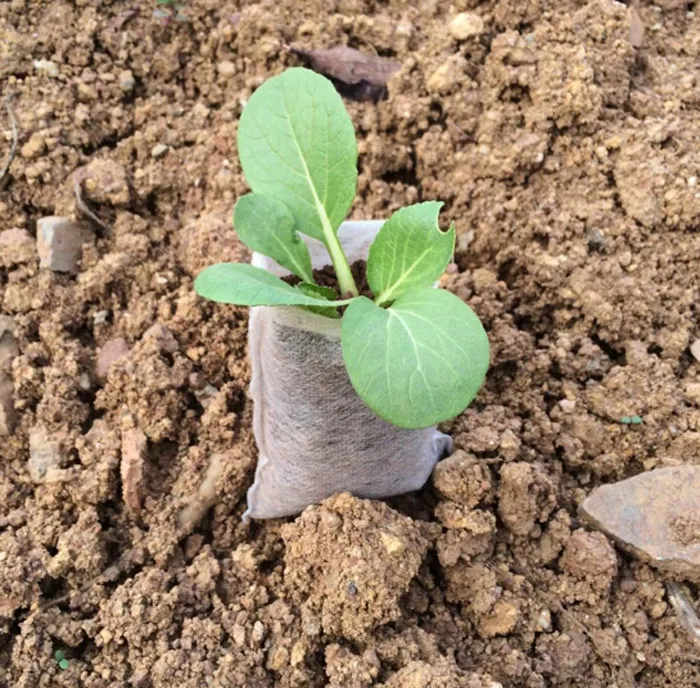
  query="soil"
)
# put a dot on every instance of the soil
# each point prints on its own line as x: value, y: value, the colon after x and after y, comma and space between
x: 568, y: 158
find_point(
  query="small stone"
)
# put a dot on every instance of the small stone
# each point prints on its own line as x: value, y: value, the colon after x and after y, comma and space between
x: 567, y: 405
x: 16, y: 247
x: 162, y: 337
x: 695, y: 349
x: 692, y: 181
x: 34, y: 148
x: 60, y: 242
x: 544, y: 621
x: 127, y: 80
x: 8, y: 415
x: 51, y: 68
x: 447, y: 76
x: 226, y: 68
x: 134, y: 448
x: 44, y: 453
x: 465, y: 25
x: 100, y: 318
x: 9, y: 349
x: 654, y: 515
x: 113, y: 351
x: 159, y: 150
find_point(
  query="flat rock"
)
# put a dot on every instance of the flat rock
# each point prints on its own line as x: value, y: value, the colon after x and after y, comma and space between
x: 60, y: 242
x: 8, y: 415
x: 655, y: 515
x: 9, y: 348
x: 16, y: 247
x: 113, y: 351
x: 44, y: 454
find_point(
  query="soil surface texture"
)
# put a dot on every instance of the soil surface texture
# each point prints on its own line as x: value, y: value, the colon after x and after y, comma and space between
x: 564, y: 138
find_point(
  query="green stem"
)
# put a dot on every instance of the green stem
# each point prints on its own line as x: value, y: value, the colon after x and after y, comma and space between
x: 346, y: 281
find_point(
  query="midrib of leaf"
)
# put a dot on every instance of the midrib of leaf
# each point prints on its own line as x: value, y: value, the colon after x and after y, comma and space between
x: 320, y: 208
x: 386, y: 296
x: 414, y: 344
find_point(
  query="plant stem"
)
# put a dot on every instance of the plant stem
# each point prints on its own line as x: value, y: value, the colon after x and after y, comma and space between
x: 346, y: 281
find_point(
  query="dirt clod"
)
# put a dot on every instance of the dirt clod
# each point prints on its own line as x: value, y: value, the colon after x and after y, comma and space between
x: 350, y: 575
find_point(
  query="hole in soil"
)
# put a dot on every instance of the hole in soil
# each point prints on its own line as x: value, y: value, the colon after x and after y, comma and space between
x: 615, y: 355
x: 655, y: 349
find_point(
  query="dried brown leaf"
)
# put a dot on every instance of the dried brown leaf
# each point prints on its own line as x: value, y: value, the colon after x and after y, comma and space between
x: 356, y: 74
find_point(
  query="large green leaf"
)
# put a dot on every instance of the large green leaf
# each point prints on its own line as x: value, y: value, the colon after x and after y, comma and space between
x: 247, y: 285
x: 266, y: 225
x: 409, y: 251
x: 296, y: 143
x: 419, y: 362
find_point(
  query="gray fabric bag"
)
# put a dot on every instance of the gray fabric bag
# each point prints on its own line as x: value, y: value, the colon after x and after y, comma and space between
x: 315, y: 436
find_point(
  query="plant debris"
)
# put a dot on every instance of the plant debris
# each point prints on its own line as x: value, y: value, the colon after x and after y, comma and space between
x: 356, y: 75
x: 687, y: 616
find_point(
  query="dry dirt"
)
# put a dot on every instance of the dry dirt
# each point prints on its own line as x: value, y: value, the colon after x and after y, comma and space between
x: 568, y: 158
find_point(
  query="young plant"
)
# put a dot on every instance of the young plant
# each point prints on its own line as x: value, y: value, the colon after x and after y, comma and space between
x: 415, y: 354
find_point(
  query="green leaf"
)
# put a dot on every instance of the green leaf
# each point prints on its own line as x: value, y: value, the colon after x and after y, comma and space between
x: 247, y: 285
x: 409, y: 251
x: 296, y: 143
x: 321, y: 293
x: 419, y: 362
x: 266, y: 225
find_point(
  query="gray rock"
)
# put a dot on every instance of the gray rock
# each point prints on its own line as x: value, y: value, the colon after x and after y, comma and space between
x: 159, y: 150
x: 16, y: 247
x: 44, y: 453
x: 9, y: 349
x: 655, y: 515
x: 110, y: 353
x: 127, y: 80
x: 60, y: 242
x: 8, y: 415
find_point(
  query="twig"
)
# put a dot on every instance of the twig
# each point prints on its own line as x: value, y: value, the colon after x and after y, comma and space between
x: 83, y: 206
x: 687, y: 616
x: 15, y: 137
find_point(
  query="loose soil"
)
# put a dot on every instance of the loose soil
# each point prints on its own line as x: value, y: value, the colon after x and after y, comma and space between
x: 568, y: 159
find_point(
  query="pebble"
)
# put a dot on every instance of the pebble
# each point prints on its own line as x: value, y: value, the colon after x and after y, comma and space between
x: 8, y: 416
x: 9, y: 349
x: 465, y: 25
x: 60, y: 242
x: 16, y: 247
x: 113, y: 351
x: 226, y: 68
x: 695, y: 349
x: 44, y: 453
x: 51, y: 68
x: 159, y: 150
x: 655, y: 515
x: 127, y: 80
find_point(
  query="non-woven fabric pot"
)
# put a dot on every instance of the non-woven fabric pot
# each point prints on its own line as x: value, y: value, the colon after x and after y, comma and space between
x: 315, y: 436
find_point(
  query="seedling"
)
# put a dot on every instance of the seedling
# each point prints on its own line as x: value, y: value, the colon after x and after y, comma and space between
x: 60, y: 657
x: 415, y: 354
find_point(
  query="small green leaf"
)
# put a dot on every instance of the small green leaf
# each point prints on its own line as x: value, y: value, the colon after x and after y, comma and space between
x: 266, y: 225
x: 321, y: 293
x: 296, y: 143
x: 64, y: 664
x: 409, y: 251
x: 60, y: 654
x: 247, y: 285
x: 419, y: 362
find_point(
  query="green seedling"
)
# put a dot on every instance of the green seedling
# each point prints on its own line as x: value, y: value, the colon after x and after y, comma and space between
x: 631, y: 420
x: 415, y: 354
x: 60, y: 657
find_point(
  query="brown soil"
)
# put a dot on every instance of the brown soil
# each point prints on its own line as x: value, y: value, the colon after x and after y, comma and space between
x: 568, y: 159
